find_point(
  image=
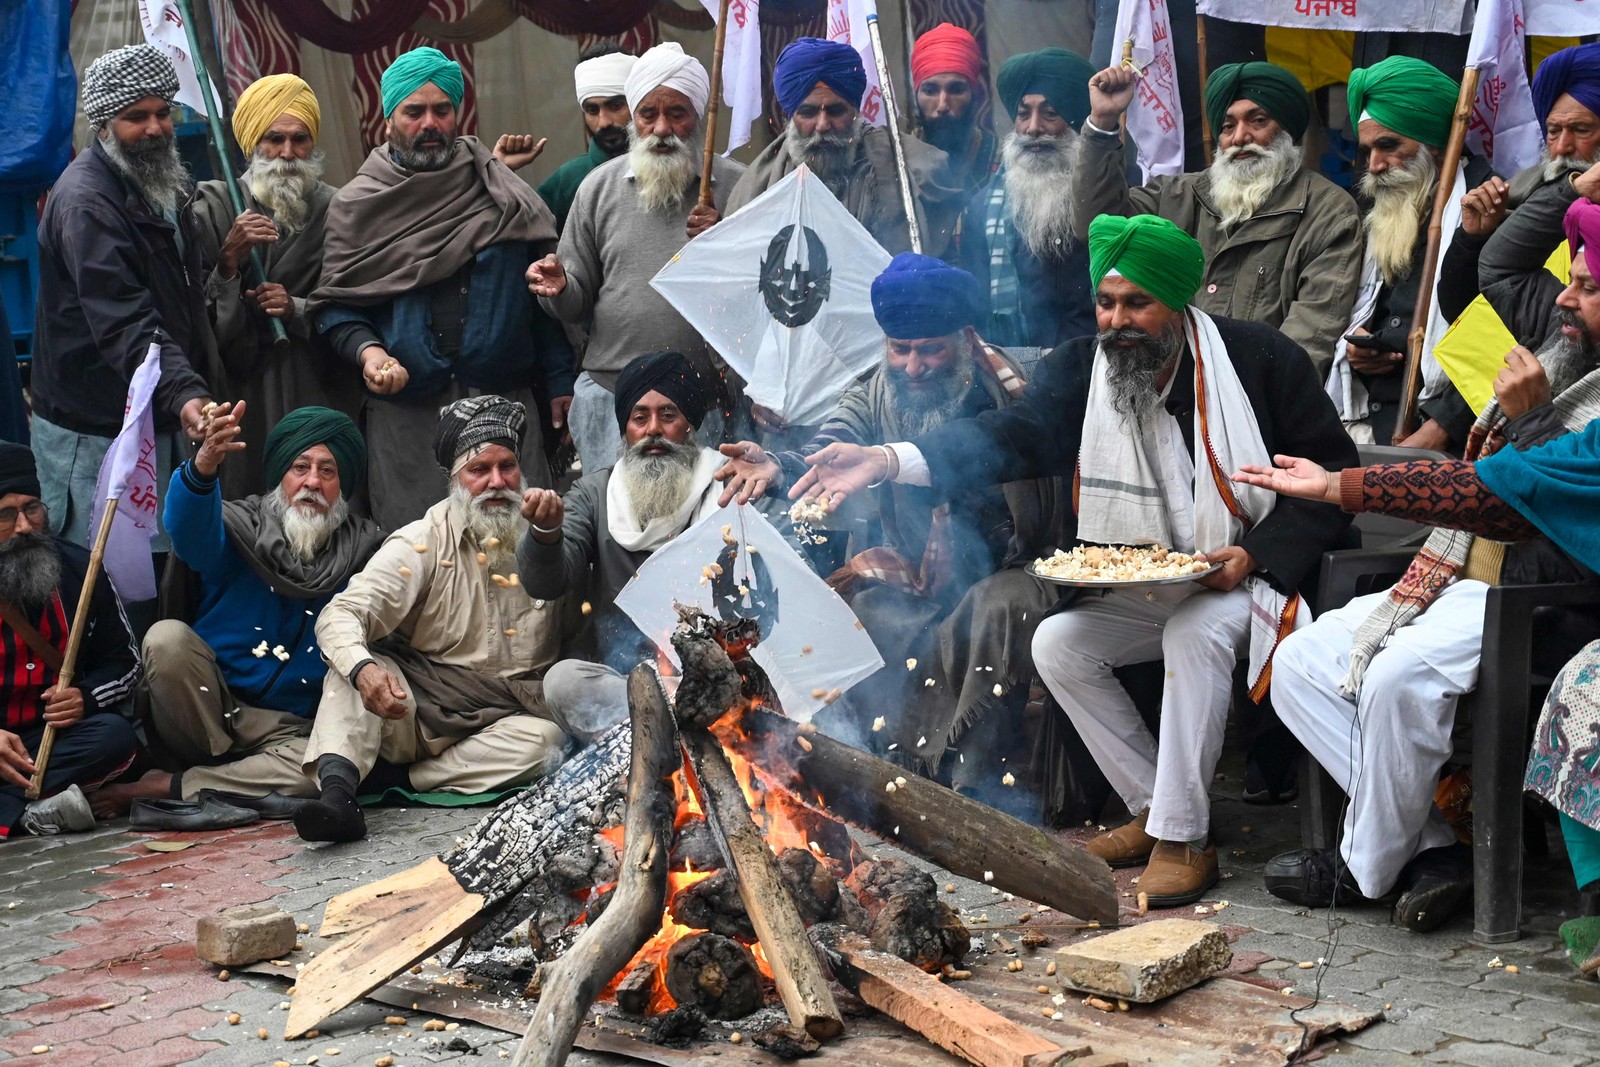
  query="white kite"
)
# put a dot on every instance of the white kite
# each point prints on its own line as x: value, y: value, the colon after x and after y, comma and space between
x: 782, y: 289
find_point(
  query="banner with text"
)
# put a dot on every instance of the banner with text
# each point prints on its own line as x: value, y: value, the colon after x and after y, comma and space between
x: 1393, y: 16
x: 1155, y: 119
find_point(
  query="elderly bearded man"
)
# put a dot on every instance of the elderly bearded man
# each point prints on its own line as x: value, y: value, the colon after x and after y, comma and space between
x: 947, y: 71
x: 277, y: 122
x: 422, y: 285
x: 1017, y: 234
x: 1150, y: 415
x: 1404, y: 107
x: 1282, y: 244
x: 929, y: 592
x: 232, y: 697
x: 119, y: 270
x: 1387, y: 669
x: 629, y: 219
x: 436, y: 655
x: 41, y: 581
x: 600, y: 80
x: 819, y: 84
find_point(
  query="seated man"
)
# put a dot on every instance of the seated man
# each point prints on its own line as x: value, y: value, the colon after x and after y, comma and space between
x: 1151, y: 415
x: 935, y: 551
x: 436, y: 654
x: 1387, y: 669
x: 231, y: 698
x: 41, y: 580
x: 614, y: 518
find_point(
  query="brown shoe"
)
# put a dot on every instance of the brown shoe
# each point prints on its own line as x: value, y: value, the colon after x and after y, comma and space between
x: 1126, y: 846
x: 1178, y: 874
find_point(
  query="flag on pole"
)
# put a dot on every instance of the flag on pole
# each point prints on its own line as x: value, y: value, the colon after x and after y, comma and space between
x: 741, y: 67
x: 128, y: 474
x: 1503, y: 128
x: 1155, y: 119
x: 1560, y: 18
x: 847, y: 22
x: 163, y: 29
x: 1391, y: 16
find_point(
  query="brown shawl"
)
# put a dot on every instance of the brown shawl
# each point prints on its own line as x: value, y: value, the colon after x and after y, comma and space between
x: 392, y: 231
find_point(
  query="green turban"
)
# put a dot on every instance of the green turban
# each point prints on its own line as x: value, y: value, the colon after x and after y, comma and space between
x: 1410, y: 97
x: 304, y: 427
x: 416, y: 68
x: 1267, y: 85
x: 1150, y: 252
x: 1061, y: 76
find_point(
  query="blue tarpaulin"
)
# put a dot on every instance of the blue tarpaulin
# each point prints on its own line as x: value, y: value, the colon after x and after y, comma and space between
x: 36, y: 71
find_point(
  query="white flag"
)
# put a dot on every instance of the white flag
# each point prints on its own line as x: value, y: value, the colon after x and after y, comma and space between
x: 163, y: 29
x: 1392, y: 16
x: 128, y: 474
x: 741, y: 66
x: 847, y: 22
x: 1155, y: 119
x: 1503, y: 129
x: 782, y: 289
x: 1561, y: 18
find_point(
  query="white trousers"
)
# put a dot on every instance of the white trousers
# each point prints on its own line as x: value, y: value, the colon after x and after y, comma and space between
x: 1200, y: 639
x: 1384, y: 748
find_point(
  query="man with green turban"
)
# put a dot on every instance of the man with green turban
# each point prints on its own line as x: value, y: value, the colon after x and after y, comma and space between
x: 1150, y: 418
x: 1282, y: 243
x: 232, y: 696
x: 1402, y: 108
x: 422, y: 285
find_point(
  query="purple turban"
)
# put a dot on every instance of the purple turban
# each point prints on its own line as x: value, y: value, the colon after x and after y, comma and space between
x: 1582, y: 224
x: 918, y: 296
x: 1574, y: 70
x: 810, y: 60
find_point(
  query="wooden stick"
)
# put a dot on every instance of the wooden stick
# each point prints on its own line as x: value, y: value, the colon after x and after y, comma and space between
x: 712, y: 108
x: 1404, y: 422
x: 1207, y: 140
x: 69, y: 661
x: 571, y: 984
x: 892, y: 120
x: 796, y: 971
x: 937, y: 823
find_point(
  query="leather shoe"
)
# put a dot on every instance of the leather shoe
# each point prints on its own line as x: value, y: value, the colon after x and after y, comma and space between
x: 1178, y: 874
x: 1126, y: 846
x: 1437, y: 882
x: 1306, y: 877
x: 208, y: 813
x: 273, y: 806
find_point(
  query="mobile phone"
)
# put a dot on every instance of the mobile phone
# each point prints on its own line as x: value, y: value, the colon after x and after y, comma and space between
x: 1369, y: 341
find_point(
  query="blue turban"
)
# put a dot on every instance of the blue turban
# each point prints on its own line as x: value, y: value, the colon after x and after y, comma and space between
x: 810, y: 60
x: 918, y: 296
x: 416, y: 68
x: 1574, y: 70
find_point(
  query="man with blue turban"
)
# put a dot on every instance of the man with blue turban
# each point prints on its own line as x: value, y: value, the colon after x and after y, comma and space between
x: 821, y: 86
x: 934, y: 590
x: 1146, y: 420
x: 422, y: 285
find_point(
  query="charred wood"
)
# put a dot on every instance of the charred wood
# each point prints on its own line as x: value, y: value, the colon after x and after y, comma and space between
x: 694, y: 847
x: 715, y: 974
x: 638, y: 987
x: 815, y: 889
x: 923, y: 931
x: 787, y: 1042
x: 713, y: 904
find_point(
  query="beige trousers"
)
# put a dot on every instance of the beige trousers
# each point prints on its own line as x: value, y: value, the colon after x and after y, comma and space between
x: 512, y: 751
x: 226, y: 743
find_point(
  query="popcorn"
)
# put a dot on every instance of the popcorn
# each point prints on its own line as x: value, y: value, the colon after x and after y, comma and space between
x: 1097, y: 563
x: 1008, y: 779
x: 879, y: 723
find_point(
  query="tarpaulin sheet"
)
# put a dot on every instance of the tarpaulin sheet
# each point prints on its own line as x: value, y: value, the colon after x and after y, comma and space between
x: 37, y: 73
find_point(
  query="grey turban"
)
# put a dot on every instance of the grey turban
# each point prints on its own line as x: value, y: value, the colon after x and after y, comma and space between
x: 472, y: 423
x: 123, y: 77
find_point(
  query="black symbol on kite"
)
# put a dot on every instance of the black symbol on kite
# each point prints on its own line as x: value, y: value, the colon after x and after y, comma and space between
x: 795, y: 294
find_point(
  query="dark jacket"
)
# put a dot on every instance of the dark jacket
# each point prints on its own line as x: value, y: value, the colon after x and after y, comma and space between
x: 1039, y: 436
x: 558, y: 190
x: 112, y: 281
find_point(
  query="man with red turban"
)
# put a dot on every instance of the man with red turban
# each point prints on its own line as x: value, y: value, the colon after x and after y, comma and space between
x: 947, y: 73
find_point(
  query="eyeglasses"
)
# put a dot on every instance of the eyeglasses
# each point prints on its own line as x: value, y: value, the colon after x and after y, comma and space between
x: 33, y: 510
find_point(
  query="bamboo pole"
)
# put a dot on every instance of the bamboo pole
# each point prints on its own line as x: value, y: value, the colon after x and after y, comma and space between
x: 69, y: 661
x: 712, y: 109
x: 1404, y: 422
x: 892, y: 120
x: 1207, y: 137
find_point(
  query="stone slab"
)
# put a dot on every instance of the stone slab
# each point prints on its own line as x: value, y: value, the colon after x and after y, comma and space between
x: 1145, y: 963
x: 237, y: 936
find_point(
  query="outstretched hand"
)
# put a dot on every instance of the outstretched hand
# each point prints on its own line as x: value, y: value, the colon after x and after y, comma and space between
x: 546, y: 277
x: 545, y: 509
x: 749, y: 472
x: 840, y: 471
x: 517, y: 150
x: 1292, y: 476
x: 222, y: 429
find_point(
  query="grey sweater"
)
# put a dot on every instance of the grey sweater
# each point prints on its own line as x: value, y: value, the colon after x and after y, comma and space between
x: 611, y: 248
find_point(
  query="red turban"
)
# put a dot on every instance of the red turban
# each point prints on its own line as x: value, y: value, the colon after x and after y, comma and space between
x: 946, y: 49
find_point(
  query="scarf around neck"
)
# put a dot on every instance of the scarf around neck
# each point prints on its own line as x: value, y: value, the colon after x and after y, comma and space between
x: 257, y: 535
x: 700, y: 501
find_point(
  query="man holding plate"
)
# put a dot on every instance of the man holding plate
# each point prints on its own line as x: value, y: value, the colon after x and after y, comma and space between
x: 1147, y: 415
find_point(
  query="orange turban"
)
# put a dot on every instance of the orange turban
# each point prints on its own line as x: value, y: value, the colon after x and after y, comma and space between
x: 946, y: 49
x: 268, y: 100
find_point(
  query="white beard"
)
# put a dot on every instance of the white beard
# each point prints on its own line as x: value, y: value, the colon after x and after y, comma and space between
x: 1039, y: 191
x: 1401, y: 198
x: 306, y: 530
x: 501, y: 525
x: 663, y: 179
x: 1556, y: 166
x: 829, y: 155
x: 657, y: 485
x: 285, y: 187
x: 1240, y: 186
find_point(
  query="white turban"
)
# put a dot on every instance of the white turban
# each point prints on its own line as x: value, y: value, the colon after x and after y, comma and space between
x: 666, y: 67
x: 603, y: 76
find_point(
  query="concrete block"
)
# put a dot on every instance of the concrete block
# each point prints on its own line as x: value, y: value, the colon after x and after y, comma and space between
x: 238, y: 936
x: 1145, y: 963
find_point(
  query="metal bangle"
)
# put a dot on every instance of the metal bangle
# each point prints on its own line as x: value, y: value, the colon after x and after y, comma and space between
x: 536, y: 528
x: 888, y: 461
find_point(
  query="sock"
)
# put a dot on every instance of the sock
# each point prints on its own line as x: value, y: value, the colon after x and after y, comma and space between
x: 337, y: 776
x: 335, y: 817
x: 1583, y: 849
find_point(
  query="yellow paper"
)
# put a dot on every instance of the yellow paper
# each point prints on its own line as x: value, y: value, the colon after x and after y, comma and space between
x: 1473, y: 350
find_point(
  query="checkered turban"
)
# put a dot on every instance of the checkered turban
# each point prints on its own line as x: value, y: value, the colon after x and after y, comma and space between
x: 472, y: 424
x: 123, y: 77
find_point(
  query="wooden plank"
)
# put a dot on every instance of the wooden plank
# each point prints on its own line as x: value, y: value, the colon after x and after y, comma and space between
x: 359, y: 908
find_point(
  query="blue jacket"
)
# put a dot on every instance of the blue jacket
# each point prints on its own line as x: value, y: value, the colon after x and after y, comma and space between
x: 238, y: 610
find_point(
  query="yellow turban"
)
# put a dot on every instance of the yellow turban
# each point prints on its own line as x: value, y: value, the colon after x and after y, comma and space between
x: 270, y: 99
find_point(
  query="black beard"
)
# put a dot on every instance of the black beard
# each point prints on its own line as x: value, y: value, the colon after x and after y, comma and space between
x: 30, y: 569
x: 613, y: 140
x: 1134, y: 362
x: 948, y: 133
x: 430, y: 151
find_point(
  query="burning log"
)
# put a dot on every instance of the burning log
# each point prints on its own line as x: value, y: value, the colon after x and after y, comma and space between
x: 715, y: 974
x: 812, y: 884
x: 638, y: 987
x: 695, y: 847
x: 907, y: 918
x: 571, y: 984
x: 714, y: 903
